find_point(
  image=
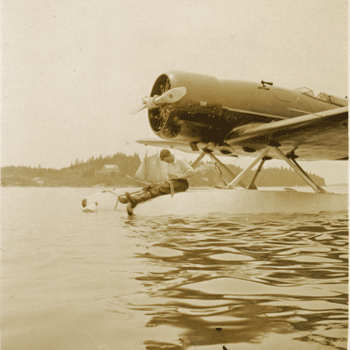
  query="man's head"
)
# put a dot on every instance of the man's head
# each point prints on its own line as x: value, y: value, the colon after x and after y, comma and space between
x: 166, y: 156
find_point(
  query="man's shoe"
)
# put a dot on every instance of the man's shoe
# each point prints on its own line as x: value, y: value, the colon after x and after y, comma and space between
x: 131, y: 200
x: 129, y: 209
x: 122, y: 199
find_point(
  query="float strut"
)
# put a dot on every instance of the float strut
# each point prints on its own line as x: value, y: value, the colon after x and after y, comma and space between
x: 246, y: 171
x: 195, y: 163
x: 300, y: 172
x: 251, y: 185
x: 319, y: 189
x: 217, y: 161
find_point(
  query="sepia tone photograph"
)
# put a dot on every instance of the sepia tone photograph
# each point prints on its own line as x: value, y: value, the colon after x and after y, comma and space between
x: 174, y: 175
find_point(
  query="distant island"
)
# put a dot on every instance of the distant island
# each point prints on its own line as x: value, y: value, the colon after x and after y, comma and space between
x: 117, y: 171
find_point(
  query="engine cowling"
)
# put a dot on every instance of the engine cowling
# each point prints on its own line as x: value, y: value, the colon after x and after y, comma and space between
x: 190, y: 118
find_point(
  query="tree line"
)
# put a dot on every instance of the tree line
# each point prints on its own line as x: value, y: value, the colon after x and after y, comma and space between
x: 88, y: 173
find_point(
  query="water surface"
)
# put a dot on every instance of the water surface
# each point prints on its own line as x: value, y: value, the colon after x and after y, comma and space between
x: 72, y: 280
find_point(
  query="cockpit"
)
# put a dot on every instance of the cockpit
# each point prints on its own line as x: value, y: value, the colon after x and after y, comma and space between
x: 324, y: 97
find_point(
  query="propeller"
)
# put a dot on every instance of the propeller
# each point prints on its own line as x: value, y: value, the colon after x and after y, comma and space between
x: 170, y: 96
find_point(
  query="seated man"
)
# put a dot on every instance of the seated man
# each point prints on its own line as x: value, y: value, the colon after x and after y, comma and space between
x: 178, y: 172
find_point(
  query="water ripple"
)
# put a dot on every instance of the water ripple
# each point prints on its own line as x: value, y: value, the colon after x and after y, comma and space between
x: 248, y: 276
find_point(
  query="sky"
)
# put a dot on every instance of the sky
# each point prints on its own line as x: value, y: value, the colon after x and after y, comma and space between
x: 73, y: 69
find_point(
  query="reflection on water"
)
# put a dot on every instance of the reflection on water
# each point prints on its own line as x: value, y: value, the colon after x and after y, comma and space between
x: 223, y: 281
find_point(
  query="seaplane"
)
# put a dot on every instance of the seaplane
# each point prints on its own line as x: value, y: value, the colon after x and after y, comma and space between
x: 212, y: 117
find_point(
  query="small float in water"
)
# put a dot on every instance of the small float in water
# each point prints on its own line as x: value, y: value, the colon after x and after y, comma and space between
x: 90, y: 208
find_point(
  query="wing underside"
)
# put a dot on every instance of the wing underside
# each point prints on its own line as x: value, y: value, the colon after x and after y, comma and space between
x: 321, y: 136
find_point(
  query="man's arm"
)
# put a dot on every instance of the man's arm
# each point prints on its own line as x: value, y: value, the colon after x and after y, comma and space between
x: 188, y: 171
x: 186, y: 175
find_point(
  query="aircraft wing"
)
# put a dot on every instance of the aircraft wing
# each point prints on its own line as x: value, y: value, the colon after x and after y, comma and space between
x: 319, y: 136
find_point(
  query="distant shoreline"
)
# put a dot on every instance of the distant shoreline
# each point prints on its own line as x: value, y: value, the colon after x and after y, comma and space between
x: 117, y: 171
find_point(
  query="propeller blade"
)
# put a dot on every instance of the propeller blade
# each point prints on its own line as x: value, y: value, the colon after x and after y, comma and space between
x: 170, y: 96
x: 139, y: 108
